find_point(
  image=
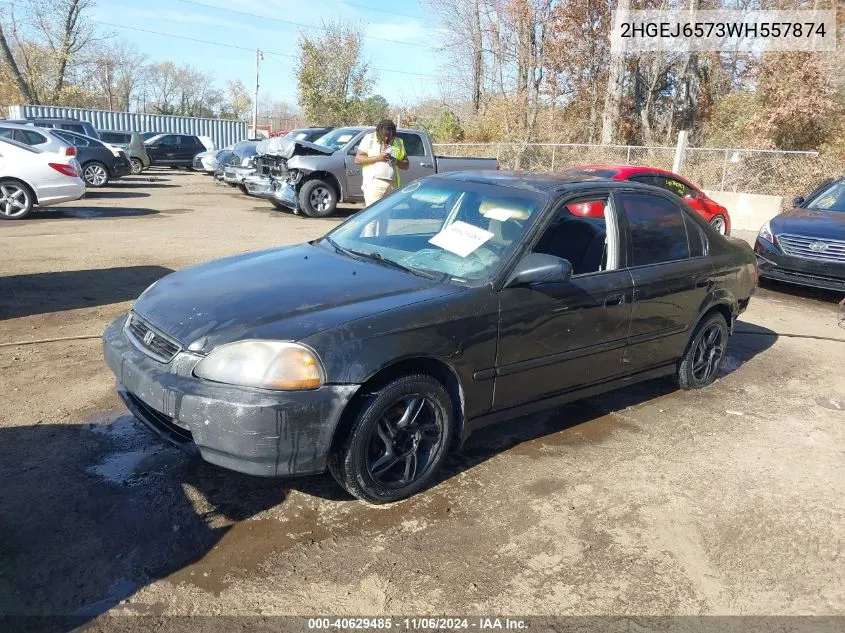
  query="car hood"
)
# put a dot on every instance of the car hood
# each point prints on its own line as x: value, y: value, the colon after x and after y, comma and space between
x: 811, y: 223
x: 286, y: 293
x: 288, y: 148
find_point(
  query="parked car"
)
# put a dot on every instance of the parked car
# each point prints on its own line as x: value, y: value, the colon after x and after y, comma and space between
x: 224, y: 158
x: 457, y: 301
x: 132, y: 144
x: 39, y: 138
x: 309, y: 134
x: 30, y: 176
x: 235, y: 171
x: 208, y: 161
x: 806, y: 245
x: 314, y: 177
x: 174, y: 150
x: 712, y: 211
x: 100, y: 163
x: 146, y: 136
x: 70, y: 125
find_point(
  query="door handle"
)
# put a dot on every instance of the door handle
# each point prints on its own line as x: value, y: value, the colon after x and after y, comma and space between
x: 426, y: 164
x: 614, y: 300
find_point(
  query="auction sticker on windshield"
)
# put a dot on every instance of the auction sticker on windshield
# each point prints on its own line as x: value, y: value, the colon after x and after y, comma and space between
x: 460, y: 238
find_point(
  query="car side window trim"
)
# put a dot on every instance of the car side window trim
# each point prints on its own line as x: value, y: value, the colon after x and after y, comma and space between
x: 626, y: 229
x: 611, y: 232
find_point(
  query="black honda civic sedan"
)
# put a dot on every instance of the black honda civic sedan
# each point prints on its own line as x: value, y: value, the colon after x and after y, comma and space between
x: 455, y: 302
x: 806, y: 245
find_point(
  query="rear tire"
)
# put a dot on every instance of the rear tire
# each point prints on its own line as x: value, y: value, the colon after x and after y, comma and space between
x: 16, y: 200
x: 317, y: 199
x: 397, y: 440
x: 137, y: 166
x: 719, y: 223
x: 699, y: 366
x: 95, y: 174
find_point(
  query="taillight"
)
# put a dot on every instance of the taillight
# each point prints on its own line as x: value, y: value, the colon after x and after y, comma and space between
x: 67, y: 170
x: 70, y: 151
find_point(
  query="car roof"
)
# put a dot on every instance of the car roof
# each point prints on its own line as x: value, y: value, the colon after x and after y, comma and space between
x: 541, y: 182
x: 629, y: 170
x: 17, y: 125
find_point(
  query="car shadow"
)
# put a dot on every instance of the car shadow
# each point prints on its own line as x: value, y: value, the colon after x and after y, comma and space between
x: 40, y: 293
x: 803, y: 292
x: 140, y: 182
x: 99, y: 194
x: 92, y: 512
x: 89, y: 213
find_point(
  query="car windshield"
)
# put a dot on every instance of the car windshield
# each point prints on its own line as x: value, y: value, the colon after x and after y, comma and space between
x: 831, y: 199
x: 246, y: 148
x: 444, y: 229
x: 337, y: 138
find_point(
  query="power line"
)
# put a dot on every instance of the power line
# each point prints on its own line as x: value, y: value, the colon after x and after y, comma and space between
x: 245, y: 48
x: 384, y: 70
x: 299, y: 24
x: 361, y: 6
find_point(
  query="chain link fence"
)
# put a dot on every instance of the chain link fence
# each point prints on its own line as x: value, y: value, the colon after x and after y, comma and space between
x: 768, y: 172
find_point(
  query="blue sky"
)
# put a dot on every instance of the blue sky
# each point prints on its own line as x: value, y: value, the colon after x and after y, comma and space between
x: 263, y: 30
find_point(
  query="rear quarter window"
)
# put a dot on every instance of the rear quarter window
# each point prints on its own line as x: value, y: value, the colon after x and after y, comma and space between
x: 657, y: 227
x: 414, y: 145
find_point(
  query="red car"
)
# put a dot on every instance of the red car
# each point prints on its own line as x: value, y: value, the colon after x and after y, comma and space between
x: 696, y: 199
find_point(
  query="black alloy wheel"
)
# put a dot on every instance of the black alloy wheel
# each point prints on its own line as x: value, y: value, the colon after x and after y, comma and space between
x: 700, y: 364
x: 396, y: 442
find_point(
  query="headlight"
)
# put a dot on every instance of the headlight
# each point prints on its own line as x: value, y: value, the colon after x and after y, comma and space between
x: 263, y: 364
x: 766, y: 233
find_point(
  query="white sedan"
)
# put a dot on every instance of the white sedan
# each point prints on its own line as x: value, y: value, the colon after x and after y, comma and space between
x: 30, y: 176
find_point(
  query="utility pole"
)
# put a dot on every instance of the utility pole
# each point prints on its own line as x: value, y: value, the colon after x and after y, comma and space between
x: 258, y: 57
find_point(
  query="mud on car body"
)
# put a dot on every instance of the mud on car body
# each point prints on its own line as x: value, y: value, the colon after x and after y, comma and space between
x: 457, y: 301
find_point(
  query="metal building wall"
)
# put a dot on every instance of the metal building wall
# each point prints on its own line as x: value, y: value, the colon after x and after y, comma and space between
x: 222, y: 132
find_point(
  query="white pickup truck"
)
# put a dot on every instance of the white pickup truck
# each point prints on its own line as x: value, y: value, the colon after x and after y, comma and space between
x: 313, y: 177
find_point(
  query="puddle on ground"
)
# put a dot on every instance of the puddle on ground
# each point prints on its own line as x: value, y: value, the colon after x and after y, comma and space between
x: 121, y: 468
x: 729, y: 364
x: 247, y: 545
x: 834, y: 403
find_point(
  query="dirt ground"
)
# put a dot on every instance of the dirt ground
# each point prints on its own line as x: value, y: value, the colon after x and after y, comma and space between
x: 643, y: 501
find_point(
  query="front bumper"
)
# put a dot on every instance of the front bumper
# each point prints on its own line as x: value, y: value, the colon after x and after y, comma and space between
x: 236, y: 175
x: 774, y: 264
x: 254, y: 431
x: 272, y: 189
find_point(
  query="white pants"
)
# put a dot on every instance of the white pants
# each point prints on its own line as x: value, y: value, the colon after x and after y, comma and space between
x: 377, y: 189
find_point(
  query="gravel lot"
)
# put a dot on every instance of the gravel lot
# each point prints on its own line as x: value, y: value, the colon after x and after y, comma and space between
x: 643, y: 501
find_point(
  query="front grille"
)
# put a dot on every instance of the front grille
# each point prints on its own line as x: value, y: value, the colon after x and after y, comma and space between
x: 823, y: 250
x: 151, y: 341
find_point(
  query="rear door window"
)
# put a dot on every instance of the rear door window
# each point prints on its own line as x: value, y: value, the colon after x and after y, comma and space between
x: 414, y: 145
x: 7, y: 133
x: 30, y: 137
x: 171, y: 140
x: 73, y: 127
x: 657, y: 229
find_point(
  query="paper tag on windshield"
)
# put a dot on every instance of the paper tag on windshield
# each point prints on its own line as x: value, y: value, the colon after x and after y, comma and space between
x: 498, y: 213
x: 460, y: 238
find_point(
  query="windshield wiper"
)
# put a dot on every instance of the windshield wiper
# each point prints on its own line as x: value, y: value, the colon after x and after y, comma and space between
x: 389, y: 262
x: 339, y: 248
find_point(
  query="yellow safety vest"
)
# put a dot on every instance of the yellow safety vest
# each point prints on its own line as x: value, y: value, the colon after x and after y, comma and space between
x: 398, y: 153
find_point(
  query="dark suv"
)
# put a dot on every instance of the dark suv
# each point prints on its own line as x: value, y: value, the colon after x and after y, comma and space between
x: 99, y: 163
x: 174, y: 150
x: 71, y: 125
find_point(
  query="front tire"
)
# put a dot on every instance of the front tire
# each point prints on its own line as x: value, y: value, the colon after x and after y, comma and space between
x: 16, y: 200
x: 397, y: 440
x: 317, y: 199
x: 137, y: 166
x: 95, y: 174
x: 700, y: 364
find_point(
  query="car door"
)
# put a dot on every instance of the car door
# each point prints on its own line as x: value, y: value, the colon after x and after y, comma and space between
x: 672, y: 277
x: 561, y: 336
x: 420, y: 162
x: 165, y: 149
x: 354, y: 176
x: 191, y: 146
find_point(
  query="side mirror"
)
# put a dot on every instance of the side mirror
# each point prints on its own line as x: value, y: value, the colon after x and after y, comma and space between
x: 797, y: 201
x: 539, y: 268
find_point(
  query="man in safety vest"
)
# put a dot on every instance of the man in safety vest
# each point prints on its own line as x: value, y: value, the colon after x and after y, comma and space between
x: 381, y: 156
